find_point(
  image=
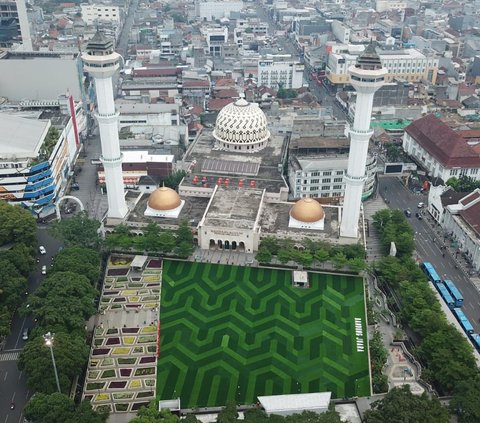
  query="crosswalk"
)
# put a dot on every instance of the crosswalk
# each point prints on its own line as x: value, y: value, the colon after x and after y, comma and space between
x: 9, y: 355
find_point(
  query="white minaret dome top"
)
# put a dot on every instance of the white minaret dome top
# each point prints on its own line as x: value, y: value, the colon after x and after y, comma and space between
x: 241, y: 126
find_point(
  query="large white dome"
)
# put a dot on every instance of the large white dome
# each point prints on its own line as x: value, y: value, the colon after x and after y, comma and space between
x: 241, y: 126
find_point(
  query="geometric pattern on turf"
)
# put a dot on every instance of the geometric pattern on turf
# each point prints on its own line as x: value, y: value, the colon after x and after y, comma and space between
x: 233, y: 333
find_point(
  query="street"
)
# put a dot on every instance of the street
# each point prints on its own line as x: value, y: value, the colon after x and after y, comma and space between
x: 13, y: 382
x: 428, y: 240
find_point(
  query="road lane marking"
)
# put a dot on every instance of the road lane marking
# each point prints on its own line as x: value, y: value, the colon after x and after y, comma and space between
x: 9, y: 356
x: 20, y: 375
x: 20, y: 332
x: 5, y: 378
x: 6, y: 418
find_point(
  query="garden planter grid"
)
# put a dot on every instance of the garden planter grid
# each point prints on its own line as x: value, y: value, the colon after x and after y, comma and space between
x: 121, y: 375
x: 122, y: 371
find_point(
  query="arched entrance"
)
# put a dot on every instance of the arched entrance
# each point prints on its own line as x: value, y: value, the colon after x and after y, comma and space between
x: 226, y: 245
x: 67, y: 197
x: 212, y: 245
x: 220, y: 244
x: 241, y: 246
x: 234, y: 245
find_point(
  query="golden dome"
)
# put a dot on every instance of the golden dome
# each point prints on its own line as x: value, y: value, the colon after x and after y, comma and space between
x: 164, y: 198
x: 307, y: 210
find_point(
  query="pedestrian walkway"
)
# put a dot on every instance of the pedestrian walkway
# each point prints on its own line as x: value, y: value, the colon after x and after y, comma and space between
x: 9, y: 355
x: 374, y: 246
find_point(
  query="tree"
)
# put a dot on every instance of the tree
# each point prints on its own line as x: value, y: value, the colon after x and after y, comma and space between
x: 63, y: 302
x: 49, y: 408
x: 465, y: 401
x: 463, y: 183
x: 83, y: 261
x: 151, y: 414
x: 356, y: 264
x: 378, y: 358
x: 120, y: 237
x: 449, y: 357
x: 271, y: 244
x: 190, y: 418
x: 184, y: 249
x: 263, y: 255
x: 228, y: 414
x: 330, y: 416
x: 401, y: 406
x: 339, y: 260
x: 167, y: 242
x: 150, y: 240
x: 59, y: 408
x: 71, y: 354
x: 78, y: 230
x: 322, y: 255
x: 173, y: 180
x: 184, y: 232
x: 284, y: 255
x: 17, y: 225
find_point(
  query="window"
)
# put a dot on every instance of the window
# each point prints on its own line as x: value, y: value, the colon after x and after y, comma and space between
x: 337, y: 187
x: 337, y: 179
x: 326, y: 181
x: 326, y: 188
x: 314, y: 181
x: 339, y: 172
x: 328, y: 173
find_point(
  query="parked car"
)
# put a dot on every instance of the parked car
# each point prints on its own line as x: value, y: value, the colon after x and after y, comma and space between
x: 42, y: 250
x: 44, y: 270
x: 419, y: 216
x: 420, y: 205
x: 407, y: 212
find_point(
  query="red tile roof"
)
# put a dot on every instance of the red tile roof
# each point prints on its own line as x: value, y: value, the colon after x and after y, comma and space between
x: 442, y: 142
x: 195, y: 83
x: 219, y: 103
x: 155, y: 72
x: 469, y: 198
x: 469, y: 133
x: 226, y: 93
x: 471, y: 215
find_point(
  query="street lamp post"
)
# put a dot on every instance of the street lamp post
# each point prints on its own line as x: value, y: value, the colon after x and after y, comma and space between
x: 48, y: 337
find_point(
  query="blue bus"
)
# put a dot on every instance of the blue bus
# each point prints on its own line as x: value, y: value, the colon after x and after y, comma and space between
x: 464, y: 322
x: 454, y: 292
x: 445, y: 295
x: 476, y: 341
x: 431, y: 272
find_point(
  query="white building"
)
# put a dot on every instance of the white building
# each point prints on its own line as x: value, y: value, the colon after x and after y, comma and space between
x: 209, y: 10
x: 462, y: 220
x: 385, y: 5
x: 341, y: 31
x: 286, y: 405
x: 367, y: 76
x: 440, y: 150
x: 34, y: 170
x: 277, y: 70
x: 324, y: 177
x: 216, y: 37
x: 409, y: 64
x: 92, y: 13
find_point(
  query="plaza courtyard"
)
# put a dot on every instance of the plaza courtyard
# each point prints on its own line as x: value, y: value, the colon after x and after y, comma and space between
x: 233, y: 333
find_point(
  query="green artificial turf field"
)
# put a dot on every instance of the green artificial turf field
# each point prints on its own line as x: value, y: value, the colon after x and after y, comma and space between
x: 233, y: 333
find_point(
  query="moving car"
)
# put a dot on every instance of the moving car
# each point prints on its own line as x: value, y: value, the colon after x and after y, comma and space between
x: 42, y: 250
x: 44, y: 270
x: 25, y: 334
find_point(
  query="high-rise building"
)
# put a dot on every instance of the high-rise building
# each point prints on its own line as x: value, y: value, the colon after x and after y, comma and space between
x: 367, y: 76
x: 101, y: 62
x: 14, y: 27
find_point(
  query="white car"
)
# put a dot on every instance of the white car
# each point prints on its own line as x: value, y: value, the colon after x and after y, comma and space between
x: 421, y: 205
x: 25, y: 334
x: 42, y: 250
x: 44, y: 270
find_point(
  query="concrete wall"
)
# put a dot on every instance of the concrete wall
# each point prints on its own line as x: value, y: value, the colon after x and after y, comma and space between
x: 38, y: 78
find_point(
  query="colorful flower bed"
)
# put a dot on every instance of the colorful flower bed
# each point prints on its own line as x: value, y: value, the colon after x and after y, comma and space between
x: 121, y: 375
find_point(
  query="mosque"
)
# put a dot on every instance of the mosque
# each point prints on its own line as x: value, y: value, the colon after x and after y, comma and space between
x: 235, y: 192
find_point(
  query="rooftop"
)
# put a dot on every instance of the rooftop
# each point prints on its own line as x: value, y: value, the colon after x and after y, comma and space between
x: 235, y: 208
x: 27, y: 133
x: 442, y: 142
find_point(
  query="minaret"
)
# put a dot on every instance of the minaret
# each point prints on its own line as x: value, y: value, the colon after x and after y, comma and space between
x: 367, y: 76
x: 101, y: 62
